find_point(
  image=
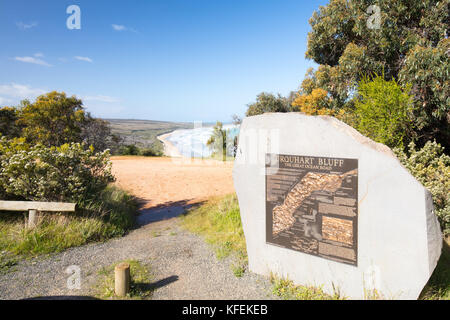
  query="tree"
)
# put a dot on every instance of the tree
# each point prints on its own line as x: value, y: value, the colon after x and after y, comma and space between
x: 8, y: 125
x: 267, y: 102
x: 316, y: 102
x: 383, y: 111
x: 53, y: 119
x: 218, y: 141
x: 97, y: 132
x: 411, y: 46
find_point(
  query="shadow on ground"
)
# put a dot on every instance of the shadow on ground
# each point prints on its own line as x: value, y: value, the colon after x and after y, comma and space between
x: 145, y: 287
x: 164, y: 211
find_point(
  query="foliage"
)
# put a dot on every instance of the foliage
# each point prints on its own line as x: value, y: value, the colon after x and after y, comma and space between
x: 410, y: 45
x: 8, y: 126
x: 129, y: 150
x: 428, y: 68
x: 267, y: 102
x: 286, y: 290
x: 316, y: 103
x: 151, y: 152
x: 431, y: 167
x: 110, y: 215
x: 97, y: 133
x: 219, y: 221
x: 220, y: 143
x: 383, y: 111
x: 133, y: 150
x: 69, y: 173
x: 140, y: 285
x: 52, y: 120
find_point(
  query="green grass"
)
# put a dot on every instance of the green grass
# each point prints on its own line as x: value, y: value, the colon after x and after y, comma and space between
x: 219, y: 222
x: 8, y: 262
x: 140, y: 286
x: 286, y: 290
x: 111, y: 215
x: 438, y: 287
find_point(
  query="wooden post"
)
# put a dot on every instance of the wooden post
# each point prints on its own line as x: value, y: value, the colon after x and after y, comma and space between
x: 32, y: 219
x: 122, y: 279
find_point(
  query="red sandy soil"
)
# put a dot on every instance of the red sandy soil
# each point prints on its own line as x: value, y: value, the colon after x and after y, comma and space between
x: 172, y: 181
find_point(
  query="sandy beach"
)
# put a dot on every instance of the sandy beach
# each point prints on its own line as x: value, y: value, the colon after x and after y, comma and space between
x: 169, y: 149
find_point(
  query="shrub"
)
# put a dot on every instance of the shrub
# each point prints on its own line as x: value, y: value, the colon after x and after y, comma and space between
x: 384, y: 111
x: 151, y: 152
x: 129, y: 150
x: 67, y: 173
x: 431, y: 166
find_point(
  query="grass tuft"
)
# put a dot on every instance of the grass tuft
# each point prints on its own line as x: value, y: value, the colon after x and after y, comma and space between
x: 140, y: 286
x: 286, y: 290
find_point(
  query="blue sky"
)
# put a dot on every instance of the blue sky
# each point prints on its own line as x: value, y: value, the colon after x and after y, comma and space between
x: 175, y: 60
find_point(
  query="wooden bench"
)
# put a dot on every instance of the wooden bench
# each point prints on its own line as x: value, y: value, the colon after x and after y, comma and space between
x: 33, y: 207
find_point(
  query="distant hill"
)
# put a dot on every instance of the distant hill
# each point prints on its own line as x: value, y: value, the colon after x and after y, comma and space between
x: 143, y: 133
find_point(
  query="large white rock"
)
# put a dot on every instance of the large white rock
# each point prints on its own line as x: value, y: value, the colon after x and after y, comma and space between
x: 398, y: 237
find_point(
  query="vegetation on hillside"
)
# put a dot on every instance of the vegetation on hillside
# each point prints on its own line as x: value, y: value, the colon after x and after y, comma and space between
x: 140, y: 137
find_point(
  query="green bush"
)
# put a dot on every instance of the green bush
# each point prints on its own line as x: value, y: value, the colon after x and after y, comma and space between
x: 431, y: 166
x: 383, y: 111
x: 129, y: 150
x: 151, y: 152
x: 68, y: 173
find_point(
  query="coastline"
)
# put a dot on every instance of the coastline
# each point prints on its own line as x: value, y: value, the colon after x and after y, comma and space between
x: 169, y: 149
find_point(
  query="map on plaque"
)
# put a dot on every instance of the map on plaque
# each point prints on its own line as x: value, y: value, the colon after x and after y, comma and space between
x: 312, y: 205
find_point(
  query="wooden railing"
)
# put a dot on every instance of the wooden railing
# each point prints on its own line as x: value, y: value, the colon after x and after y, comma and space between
x: 33, y: 207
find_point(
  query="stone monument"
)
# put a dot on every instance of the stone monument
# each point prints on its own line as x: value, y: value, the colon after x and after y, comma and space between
x: 323, y: 205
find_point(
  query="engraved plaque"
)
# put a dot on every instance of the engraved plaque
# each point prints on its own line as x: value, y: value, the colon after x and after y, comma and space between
x: 312, y: 205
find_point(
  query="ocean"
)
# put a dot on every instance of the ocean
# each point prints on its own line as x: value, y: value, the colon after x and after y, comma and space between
x: 192, y: 142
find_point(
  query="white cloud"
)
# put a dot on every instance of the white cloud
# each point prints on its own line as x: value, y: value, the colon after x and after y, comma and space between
x: 33, y: 60
x: 25, y: 26
x: 100, y: 98
x: 14, y: 93
x: 87, y: 59
x: 119, y: 27
x: 39, y: 55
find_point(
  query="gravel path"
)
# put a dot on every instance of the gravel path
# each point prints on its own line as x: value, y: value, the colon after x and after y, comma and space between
x: 182, y: 264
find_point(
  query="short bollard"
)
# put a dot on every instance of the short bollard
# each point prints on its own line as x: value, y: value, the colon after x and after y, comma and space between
x: 32, y: 219
x: 122, y: 279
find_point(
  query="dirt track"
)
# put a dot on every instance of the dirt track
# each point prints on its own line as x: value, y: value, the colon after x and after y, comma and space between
x: 168, y: 181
